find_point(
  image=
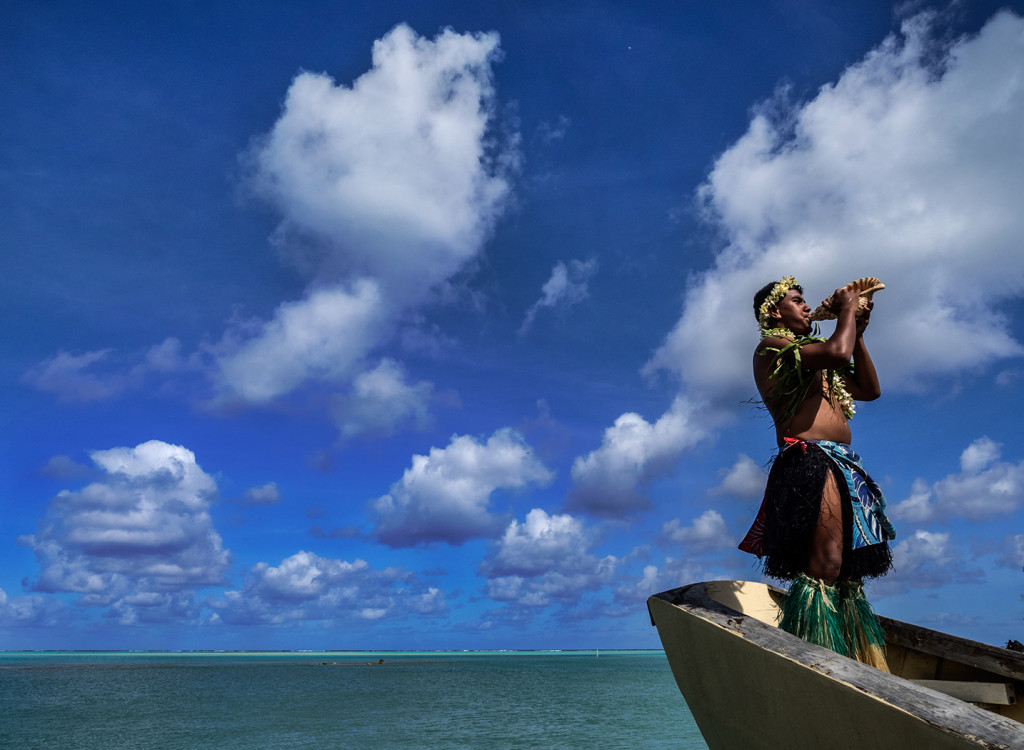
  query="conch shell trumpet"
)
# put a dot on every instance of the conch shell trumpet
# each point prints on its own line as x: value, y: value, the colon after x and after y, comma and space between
x: 864, y: 287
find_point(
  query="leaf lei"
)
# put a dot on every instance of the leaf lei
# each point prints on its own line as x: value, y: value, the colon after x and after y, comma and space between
x: 790, y: 382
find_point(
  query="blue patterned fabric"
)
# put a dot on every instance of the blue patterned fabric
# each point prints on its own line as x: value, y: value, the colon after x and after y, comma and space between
x: 870, y: 524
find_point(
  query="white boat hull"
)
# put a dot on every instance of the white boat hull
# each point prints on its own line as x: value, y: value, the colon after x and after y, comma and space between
x: 750, y: 685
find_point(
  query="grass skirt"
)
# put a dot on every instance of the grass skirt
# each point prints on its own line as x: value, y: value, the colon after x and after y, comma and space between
x: 809, y: 610
x: 837, y: 617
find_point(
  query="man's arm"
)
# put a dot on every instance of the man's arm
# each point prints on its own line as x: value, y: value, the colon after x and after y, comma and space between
x: 863, y: 383
x: 836, y: 352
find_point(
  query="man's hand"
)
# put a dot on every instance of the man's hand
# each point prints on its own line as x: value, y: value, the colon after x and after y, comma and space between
x: 842, y: 299
x: 864, y: 318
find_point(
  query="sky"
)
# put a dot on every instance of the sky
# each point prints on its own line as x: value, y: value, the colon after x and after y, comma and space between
x: 355, y: 325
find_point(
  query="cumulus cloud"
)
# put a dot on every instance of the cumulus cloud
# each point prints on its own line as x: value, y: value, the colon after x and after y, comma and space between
x: 394, y: 172
x: 673, y: 573
x: 386, y: 188
x: 307, y: 587
x: 633, y: 452
x: 539, y: 544
x: 139, y: 540
x: 381, y: 399
x: 152, y: 607
x: 984, y: 489
x: 744, y: 479
x: 322, y: 337
x: 979, y: 454
x: 445, y: 496
x: 707, y: 532
x: 267, y: 494
x: 546, y: 558
x: 907, y: 168
x: 32, y: 611
x: 925, y: 559
x: 566, y: 287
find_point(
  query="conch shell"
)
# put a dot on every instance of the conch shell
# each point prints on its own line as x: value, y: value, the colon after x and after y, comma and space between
x: 864, y: 287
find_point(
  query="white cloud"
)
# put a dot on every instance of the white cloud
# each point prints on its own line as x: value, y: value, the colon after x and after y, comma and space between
x: 985, y: 489
x: 308, y: 588
x: 381, y: 399
x: 153, y: 607
x: 922, y: 549
x: 979, y: 454
x: 632, y: 453
x: 30, y: 611
x: 925, y: 559
x: 674, y: 573
x: 268, y: 494
x: 142, y: 532
x: 446, y: 495
x: 387, y: 188
x: 543, y: 543
x: 638, y: 590
x: 394, y: 173
x: 566, y: 287
x: 744, y: 479
x: 918, y: 507
x: 430, y: 602
x: 707, y: 532
x: 543, y: 559
x: 322, y: 337
x: 898, y: 170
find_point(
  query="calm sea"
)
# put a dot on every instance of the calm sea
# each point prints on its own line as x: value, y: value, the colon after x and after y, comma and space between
x: 227, y: 701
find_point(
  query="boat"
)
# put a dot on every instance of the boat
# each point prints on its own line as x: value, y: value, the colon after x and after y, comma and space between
x: 750, y: 685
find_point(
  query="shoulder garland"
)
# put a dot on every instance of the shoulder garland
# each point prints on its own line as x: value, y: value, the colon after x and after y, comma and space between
x: 790, y: 382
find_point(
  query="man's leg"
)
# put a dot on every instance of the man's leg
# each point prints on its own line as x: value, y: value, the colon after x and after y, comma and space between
x: 863, y: 632
x: 809, y: 608
x: 826, y: 556
x: 864, y: 637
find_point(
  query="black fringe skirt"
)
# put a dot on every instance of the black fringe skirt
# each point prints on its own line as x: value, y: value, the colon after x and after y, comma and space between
x: 792, y: 505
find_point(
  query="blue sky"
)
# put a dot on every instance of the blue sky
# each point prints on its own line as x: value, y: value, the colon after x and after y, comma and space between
x: 344, y: 326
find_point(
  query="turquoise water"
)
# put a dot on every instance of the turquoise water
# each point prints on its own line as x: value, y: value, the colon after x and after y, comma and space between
x: 229, y: 701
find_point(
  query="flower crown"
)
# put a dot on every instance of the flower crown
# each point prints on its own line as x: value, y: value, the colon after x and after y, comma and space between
x: 774, y: 297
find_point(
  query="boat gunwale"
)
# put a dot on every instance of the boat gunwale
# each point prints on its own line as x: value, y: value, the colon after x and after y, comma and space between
x: 948, y: 714
x: 984, y: 656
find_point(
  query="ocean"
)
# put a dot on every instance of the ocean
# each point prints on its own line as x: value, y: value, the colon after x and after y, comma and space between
x: 324, y: 700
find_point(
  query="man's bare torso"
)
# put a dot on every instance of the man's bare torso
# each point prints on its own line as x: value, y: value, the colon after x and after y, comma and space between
x: 816, y: 419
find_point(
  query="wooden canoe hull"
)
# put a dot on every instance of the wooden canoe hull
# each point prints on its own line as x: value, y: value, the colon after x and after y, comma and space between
x: 750, y: 685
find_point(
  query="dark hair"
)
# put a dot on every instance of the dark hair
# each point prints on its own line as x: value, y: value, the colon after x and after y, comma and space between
x: 763, y: 292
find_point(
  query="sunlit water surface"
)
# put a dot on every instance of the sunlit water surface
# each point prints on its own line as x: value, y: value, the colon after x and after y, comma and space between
x: 228, y: 701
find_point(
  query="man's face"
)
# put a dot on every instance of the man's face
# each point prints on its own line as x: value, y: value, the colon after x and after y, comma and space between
x: 793, y: 313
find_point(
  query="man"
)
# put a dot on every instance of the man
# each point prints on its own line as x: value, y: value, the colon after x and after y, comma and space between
x: 822, y: 523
